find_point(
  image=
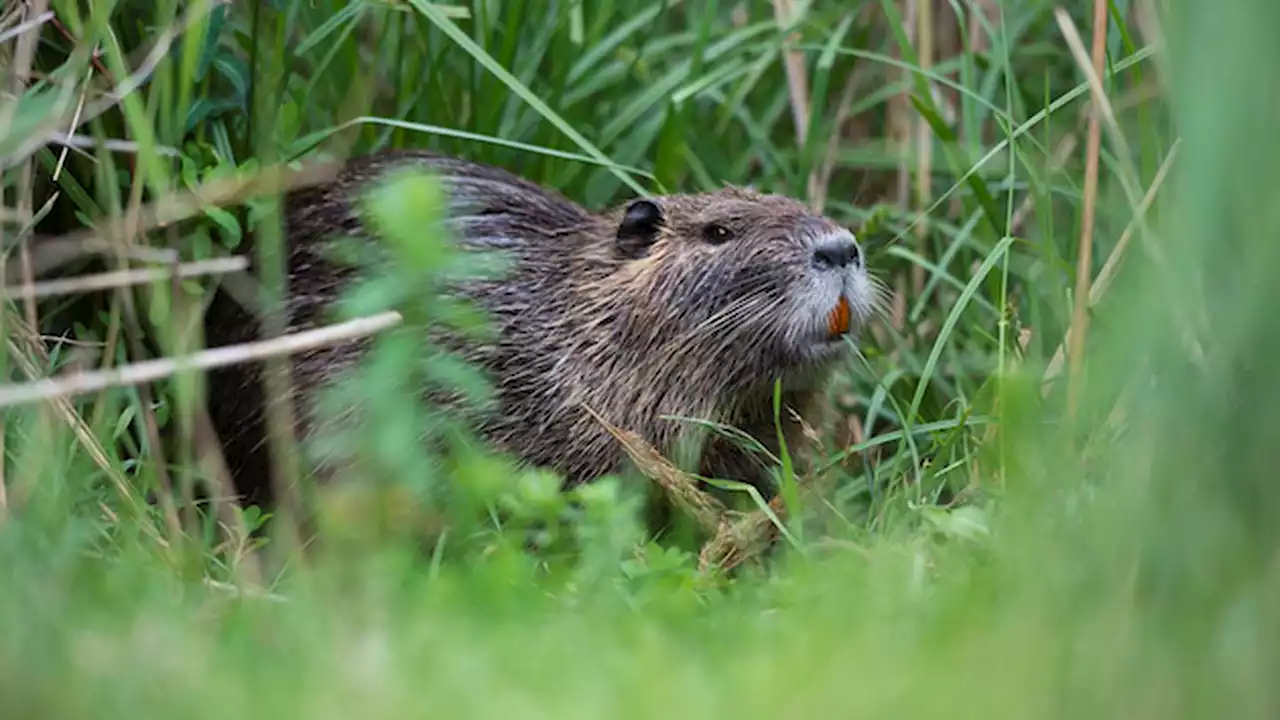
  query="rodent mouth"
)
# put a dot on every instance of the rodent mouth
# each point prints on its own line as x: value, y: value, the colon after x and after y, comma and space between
x: 839, y: 320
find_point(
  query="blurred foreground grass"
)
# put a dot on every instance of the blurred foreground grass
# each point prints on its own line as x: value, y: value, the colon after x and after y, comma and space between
x: 1118, y: 555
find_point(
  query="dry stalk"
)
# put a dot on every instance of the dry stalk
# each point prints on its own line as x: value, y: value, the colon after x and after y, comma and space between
x: 133, y: 340
x: 160, y: 368
x: 75, y: 120
x: 1184, y: 304
x: 54, y: 252
x: 989, y: 11
x: 900, y: 116
x: 924, y: 140
x: 238, y: 592
x: 86, y: 437
x: 223, y: 495
x: 25, y: 26
x: 679, y: 485
x: 736, y: 537
x: 1084, y: 265
x: 747, y: 535
x: 24, y: 57
x: 125, y: 278
x: 797, y: 80
x: 901, y: 121
x: 1102, y: 110
x: 1107, y: 275
x: 82, y: 142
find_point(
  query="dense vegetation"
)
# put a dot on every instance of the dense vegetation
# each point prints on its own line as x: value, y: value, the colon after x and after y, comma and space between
x: 1013, y: 519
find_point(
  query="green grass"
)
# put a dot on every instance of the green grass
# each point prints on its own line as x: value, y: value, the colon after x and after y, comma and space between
x: 1121, y: 561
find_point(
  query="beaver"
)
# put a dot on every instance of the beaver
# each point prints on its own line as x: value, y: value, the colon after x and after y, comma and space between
x: 684, y: 305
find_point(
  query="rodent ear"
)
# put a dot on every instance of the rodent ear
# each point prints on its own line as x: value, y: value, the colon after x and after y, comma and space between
x: 639, y: 228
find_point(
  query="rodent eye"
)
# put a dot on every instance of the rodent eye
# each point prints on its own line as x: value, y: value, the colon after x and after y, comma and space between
x: 716, y: 234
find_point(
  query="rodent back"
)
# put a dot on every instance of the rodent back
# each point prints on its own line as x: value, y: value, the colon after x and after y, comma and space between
x: 487, y: 208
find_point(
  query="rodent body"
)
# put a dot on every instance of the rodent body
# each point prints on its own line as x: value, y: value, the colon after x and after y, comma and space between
x: 687, y: 306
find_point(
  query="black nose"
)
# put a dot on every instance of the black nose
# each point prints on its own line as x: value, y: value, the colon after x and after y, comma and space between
x: 836, y: 253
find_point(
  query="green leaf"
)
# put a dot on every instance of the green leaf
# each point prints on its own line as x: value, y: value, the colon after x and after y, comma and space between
x: 441, y: 20
x: 232, y: 234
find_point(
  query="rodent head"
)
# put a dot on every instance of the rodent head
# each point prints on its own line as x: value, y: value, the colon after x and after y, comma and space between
x: 749, y: 283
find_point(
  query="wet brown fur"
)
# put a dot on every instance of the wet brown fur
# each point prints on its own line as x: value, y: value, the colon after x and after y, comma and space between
x: 671, y: 326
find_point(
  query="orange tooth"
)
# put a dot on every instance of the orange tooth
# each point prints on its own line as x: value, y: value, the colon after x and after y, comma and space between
x: 838, y: 318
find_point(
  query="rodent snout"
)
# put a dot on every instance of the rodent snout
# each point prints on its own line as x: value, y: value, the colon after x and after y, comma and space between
x: 835, y: 252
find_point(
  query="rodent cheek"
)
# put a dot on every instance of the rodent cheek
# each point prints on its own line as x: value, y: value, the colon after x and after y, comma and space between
x: 862, y: 297
x: 679, y: 294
